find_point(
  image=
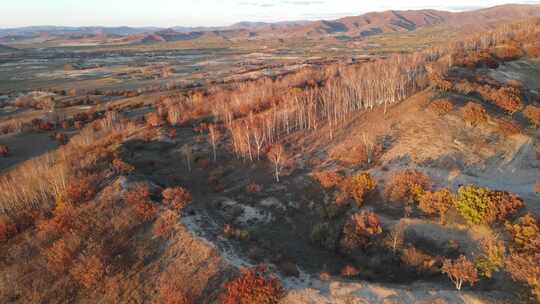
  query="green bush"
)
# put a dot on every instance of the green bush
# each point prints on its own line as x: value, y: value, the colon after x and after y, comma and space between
x: 473, y: 203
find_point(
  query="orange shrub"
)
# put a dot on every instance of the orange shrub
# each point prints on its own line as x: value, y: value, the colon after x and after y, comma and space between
x: 525, y: 268
x: 436, y: 203
x: 349, y: 271
x: 537, y: 187
x: 121, y: 167
x: 139, y: 198
x: 81, y: 189
x: 460, y: 271
x: 165, y: 224
x: 253, y: 286
x: 328, y: 179
x: 404, y: 185
x: 359, y: 230
x: 177, y: 198
x: 441, y: 107
x: 358, y: 186
x: 502, y: 205
x: 508, y: 99
x: 533, y: 114
x: 525, y: 234
x: 253, y: 188
x: 153, y: 119
x: 474, y: 114
x: 4, y: 151
x: 88, y: 270
x: 61, y: 254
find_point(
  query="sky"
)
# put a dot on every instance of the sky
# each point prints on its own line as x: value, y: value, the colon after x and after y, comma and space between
x: 168, y: 13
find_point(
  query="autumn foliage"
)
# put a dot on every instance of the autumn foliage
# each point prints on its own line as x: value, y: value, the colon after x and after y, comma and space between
x: 4, y: 151
x: 441, y: 107
x: 328, y: 179
x: 436, y: 203
x: 360, y: 229
x: 460, y: 271
x: 176, y: 198
x: 481, y: 205
x: 404, y: 185
x: 474, y: 114
x: 253, y: 286
x: 533, y: 114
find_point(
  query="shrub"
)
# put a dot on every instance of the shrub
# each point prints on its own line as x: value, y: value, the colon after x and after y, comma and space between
x: 474, y: 114
x: 139, y: 198
x: 537, y: 187
x: 171, y: 292
x: 349, y: 271
x: 404, y: 185
x: 234, y: 233
x: 436, y: 203
x: 88, y: 270
x: 253, y: 286
x: 525, y: 268
x: 525, y: 234
x: 507, y: 52
x: 483, y: 206
x: 533, y: 114
x: 121, y: 167
x: 358, y: 186
x: 492, y: 258
x: 177, y: 198
x: 418, y: 259
x: 441, y: 107
x: 81, y: 189
x: 508, y: 99
x: 502, y: 204
x: 460, y: 271
x: 153, y: 120
x: 165, y: 224
x: 4, y: 151
x: 61, y: 254
x: 359, y: 230
x: 328, y: 179
x: 253, y: 188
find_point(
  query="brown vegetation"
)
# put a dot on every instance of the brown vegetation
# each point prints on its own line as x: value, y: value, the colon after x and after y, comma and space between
x: 533, y: 114
x: 460, y: 271
x: 4, y: 151
x: 474, y: 114
x: 359, y: 230
x: 357, y: 187
x: 176, y: 198
x: 403, y: 186
x: 254, y: 285
x: 436, y: 203
x: 441, y: 107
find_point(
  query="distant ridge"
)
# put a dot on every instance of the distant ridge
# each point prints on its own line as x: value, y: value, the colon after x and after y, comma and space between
x: 355, y: 26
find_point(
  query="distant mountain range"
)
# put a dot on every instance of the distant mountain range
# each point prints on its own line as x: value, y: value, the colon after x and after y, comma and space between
x: 357, y: 26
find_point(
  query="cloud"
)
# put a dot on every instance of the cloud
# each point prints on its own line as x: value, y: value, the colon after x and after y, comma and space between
x: 257, y: 4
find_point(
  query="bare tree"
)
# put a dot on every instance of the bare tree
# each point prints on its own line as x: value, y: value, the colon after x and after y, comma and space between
x: 213, y: 138
x: 278, y: 157
x: 187, y: 151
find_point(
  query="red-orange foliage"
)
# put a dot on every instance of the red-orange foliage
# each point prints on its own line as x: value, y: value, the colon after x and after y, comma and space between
x: 404, y: 185
x: 153, y: 119
x: 122, y: 167
x: 253, y: 188
x: 537, y: 187
x: 507, y: 98
x: 165, y: 224
x: 139, y: 198
x: 4, y: 151
x: 81, y: 189
x: 328, y: 179
x: 177, y: 198
x: 253, y: 286
x: 507, y: 52
x: 441, y: 107
x: 349, y: 271
x: 474, y: 113
x: 358, y: 231
x: 436, y: 203
x: 460, y: 271
x: 61, y: 254
x: 501, y: 205
x: 533, y: 114
x: 88, y: 270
